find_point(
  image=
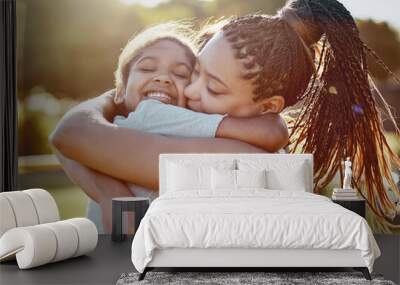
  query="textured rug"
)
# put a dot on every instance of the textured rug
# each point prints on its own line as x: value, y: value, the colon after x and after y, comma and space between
x: 243, y: 278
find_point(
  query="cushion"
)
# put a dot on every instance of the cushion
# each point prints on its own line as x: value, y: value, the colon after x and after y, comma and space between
x: 67, y: 238
x: 32, y: 246
x: 223, y: 179
x: 45, y: 205
x: 87, y: 234
x: 251, y: 178
x: 26, y: 208
x: 7, y: 220
x: 281, y: 175
x: 227, y: 179
x: 181, y: 177
x: 293, y: 179
x: 22, y: 207
x: 40, y: 244
x: 31, y: 233
x: 187, y: 175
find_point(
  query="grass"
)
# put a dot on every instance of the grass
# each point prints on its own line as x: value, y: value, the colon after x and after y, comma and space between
x: 71, y: 201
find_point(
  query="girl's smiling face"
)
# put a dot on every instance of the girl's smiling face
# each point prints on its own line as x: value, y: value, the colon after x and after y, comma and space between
x: 161, y: 72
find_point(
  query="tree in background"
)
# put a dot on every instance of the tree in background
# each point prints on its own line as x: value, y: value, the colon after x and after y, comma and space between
x: 384, y: 40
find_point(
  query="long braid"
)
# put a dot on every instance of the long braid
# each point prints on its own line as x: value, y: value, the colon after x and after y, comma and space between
x: 361, y: 125
x: 338, y: 115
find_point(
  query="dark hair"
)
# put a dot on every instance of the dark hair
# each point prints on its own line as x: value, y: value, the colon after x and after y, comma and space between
x: 311, y: 54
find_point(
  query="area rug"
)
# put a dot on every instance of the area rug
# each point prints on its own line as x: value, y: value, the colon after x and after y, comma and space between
x: 244, y: 278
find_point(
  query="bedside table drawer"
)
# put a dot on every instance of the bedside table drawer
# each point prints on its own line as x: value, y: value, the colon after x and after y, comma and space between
x: 357, y: 206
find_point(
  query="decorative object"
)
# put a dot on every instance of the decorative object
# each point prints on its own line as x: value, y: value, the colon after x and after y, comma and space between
x: 31, y: 233
x: 244, y: 278
x: 347, y: 174
x: 138, y: 205
x: 345, y: 194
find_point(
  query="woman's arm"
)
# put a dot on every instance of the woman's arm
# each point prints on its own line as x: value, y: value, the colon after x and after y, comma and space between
x: 99, y: 187
x: 85, y: 134
x: 95, y: 184
x: 267, y: 131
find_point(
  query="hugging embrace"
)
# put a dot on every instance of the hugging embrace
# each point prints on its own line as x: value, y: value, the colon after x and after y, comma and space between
x: 222, y: 89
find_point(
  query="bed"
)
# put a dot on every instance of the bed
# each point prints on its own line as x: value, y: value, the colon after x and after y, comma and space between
x: 246, y: 211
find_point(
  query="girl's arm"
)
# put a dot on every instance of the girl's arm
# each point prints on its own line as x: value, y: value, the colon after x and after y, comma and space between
x: 85, y: 134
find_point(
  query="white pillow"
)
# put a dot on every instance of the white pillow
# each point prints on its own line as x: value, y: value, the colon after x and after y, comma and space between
x: 189, y: 175
x: 228, y: 179
x: 223, y: 179
x: 251, y: 178
x: 281, y: 174
x: 181, y: 177
x: 294, y: 179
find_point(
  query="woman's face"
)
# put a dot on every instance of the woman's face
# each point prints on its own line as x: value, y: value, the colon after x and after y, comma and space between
x: 217, y: 85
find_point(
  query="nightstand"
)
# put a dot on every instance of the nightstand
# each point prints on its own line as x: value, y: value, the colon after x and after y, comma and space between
x: 137, y: 205
x: 357, y: 205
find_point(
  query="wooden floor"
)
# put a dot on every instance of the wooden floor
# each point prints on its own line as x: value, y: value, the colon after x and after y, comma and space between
x: 106, y: 264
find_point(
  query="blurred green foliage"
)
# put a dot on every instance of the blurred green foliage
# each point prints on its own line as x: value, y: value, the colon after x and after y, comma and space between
x: 71, y: 201
x: 67, y: 51
x: 70, y: 47
x: 384, y: 40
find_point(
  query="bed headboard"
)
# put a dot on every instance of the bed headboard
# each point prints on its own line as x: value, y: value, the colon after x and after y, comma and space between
x: 210, y: 158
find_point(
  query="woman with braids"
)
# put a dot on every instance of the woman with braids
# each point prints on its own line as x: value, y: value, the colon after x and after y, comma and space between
x: 309, y: 56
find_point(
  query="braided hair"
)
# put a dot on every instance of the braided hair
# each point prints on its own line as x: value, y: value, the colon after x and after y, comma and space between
x: 311, y: 54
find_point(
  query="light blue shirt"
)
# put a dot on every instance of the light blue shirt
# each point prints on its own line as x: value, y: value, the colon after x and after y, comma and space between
x: 155, y: 117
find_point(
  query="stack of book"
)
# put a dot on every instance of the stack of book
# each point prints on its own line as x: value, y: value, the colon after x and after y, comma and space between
x: 344, y: 194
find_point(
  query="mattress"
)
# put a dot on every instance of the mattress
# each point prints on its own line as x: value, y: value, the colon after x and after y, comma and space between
x: 250, y: 219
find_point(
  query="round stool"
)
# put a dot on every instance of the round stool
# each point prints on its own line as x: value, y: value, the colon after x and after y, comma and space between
x: 137, y: 205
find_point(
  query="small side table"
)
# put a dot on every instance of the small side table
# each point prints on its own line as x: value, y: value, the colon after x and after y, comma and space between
x: 357, y: 205
x: 137, y: 205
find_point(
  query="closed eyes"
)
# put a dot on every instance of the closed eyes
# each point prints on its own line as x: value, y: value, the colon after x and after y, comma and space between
x: 213, y: 92
x: 144, y: 69
x: 183, y: 76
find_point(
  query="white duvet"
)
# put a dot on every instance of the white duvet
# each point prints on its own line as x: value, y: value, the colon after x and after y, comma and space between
x: 253, y: 218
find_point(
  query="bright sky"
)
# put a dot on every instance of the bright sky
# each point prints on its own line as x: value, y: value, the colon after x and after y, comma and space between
x: 380, y: 10
x: 147, y: 3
